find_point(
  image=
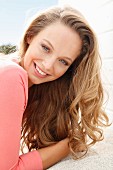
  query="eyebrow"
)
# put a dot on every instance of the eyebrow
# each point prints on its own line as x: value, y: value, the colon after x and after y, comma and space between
x: 53, y: 49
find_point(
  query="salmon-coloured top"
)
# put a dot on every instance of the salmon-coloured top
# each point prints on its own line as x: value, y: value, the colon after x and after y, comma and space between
x: 13, y: 101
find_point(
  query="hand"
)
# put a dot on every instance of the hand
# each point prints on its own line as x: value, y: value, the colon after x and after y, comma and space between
x: 52, y: 154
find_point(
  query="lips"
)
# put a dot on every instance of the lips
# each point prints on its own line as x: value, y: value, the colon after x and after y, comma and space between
x: 39, y: 72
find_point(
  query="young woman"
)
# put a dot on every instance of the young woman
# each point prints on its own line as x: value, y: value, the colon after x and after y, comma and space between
x: 52, y: 95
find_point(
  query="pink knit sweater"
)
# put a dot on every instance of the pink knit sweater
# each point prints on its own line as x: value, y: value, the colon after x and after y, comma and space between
x: 13, y: 100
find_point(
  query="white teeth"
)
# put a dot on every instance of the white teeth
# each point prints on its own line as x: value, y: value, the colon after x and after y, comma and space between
x: 42, y: 73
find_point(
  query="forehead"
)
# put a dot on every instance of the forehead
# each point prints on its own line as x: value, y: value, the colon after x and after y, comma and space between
x: 65, y: 40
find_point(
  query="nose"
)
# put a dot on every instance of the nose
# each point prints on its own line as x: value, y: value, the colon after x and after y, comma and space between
x: 49, y: 64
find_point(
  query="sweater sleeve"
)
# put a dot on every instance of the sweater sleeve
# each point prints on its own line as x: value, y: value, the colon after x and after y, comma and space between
x: 13, y: 98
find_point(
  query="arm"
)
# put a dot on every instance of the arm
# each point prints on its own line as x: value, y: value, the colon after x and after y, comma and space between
x: 52, y: 154
x: 13, y: 94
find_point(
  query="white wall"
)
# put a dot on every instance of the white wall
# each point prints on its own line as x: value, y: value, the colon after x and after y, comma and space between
x: 99, y: 13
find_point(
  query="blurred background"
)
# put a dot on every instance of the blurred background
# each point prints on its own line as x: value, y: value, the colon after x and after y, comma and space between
x: 14, y: 14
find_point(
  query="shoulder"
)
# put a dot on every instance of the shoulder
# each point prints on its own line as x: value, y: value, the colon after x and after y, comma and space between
x: 13, y: 77
x: 11, y: 69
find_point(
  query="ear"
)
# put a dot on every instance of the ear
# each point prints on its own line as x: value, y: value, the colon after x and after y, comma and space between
x: 29, y: 38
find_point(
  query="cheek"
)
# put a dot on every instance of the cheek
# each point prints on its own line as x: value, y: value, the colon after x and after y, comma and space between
x: 31, y: 53
x: 27, y: 61
x: 60, y: 72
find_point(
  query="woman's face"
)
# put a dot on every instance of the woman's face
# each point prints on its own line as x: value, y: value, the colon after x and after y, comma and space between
x: 50, y: 53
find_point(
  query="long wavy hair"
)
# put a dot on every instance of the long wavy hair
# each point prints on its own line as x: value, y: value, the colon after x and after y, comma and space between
x: 70, y: 106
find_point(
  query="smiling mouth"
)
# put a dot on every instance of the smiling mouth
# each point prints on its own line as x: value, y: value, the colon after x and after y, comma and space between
x: 39, y: 70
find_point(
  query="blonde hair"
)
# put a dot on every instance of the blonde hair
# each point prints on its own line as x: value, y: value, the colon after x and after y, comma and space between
x: 70, y: 106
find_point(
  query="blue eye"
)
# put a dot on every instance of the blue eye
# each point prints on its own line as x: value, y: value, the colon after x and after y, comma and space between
x: 45, y: 48
x: 63, y: 62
